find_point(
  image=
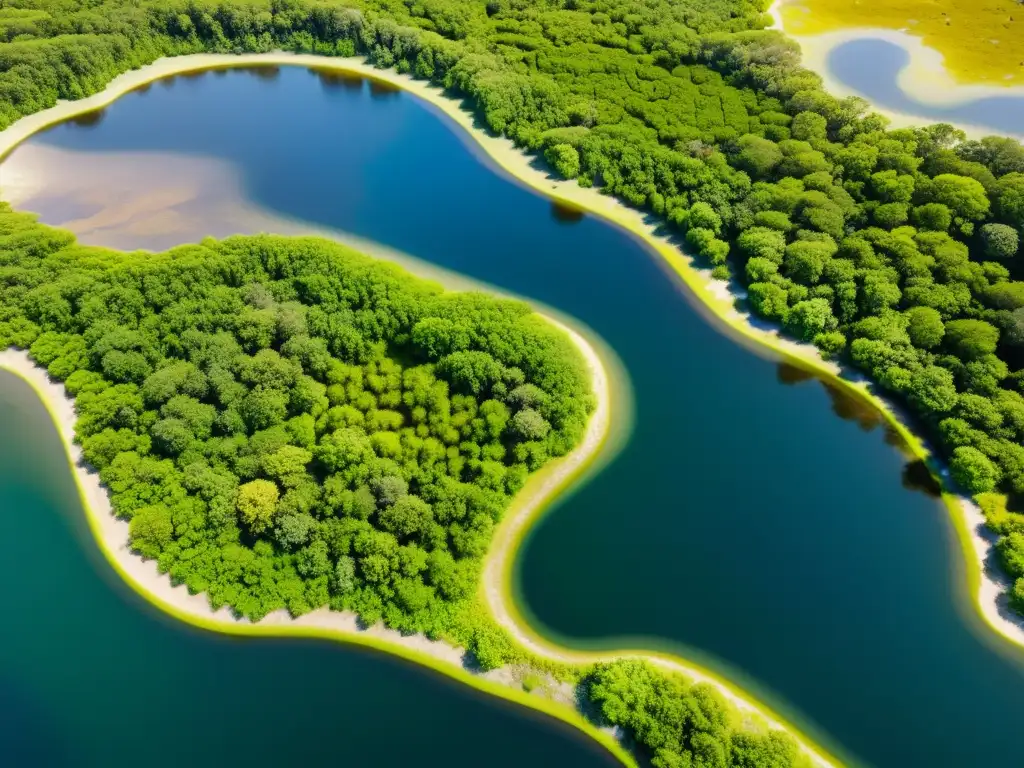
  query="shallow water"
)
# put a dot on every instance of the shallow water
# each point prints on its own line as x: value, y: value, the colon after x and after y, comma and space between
x: 755, y: 521
x: 871, y: 68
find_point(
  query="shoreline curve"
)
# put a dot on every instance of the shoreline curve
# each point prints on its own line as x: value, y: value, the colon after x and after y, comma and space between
x: 924, y: 78
x: 714, y: 298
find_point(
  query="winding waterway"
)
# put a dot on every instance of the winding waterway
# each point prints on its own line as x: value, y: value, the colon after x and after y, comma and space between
x: 871, y: 67
x: 91, y: 675
x: 755, y: 521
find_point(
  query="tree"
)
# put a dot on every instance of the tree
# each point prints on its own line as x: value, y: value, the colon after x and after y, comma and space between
x: 1006, y: 296
x: 287, y: 465
x: 343, y: 579
x: 1010, y: 199
x: 263, y: 408
x: 757, y: 156
x: 761, y: 242
x: 527, y: 424
x: 346, y: 452
x: 932, y: 390
x: 1000, y: 241
x: 972, y: 470
x: 564, y: 159
x: 805, y: 260
x: 932, y: 216
x: 964, y: 196
x: 151, y: 530
x: 255, y: 503
x: 807, y: 319
x: 924, y: 327
x: 768, y: 300
x: 971, y: 339
x: 408, y: 517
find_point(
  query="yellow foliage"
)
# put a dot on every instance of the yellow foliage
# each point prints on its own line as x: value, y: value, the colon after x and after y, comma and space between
x: 982, y: 41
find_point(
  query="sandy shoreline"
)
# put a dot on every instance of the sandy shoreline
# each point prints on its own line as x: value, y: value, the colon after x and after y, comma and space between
x: 112, y: 537
x: 501, y: 153
x: 924, y: 79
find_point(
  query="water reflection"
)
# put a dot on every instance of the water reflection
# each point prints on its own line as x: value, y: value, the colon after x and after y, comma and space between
x: 89, y: 119
x: 332, y: 79
x: 265, y: 71
x: 566, y: 214
x: 380, y: 89
x: 917, y: 477
x: 790, y: 374
x: 850, y: 407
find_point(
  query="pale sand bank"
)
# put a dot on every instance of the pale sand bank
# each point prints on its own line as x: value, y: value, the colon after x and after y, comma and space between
x: 112, y: 536
x: 715, y: 296
x: 924, y: 79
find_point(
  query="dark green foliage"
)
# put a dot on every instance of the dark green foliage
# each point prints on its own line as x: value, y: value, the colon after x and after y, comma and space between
x: 267, y: 446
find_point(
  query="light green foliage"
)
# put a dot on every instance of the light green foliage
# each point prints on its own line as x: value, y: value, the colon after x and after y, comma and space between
x: 1001, y: 241
x: 256, y: 502
x: 564, y: 159
x: 274, y: 455
x: 807, y: 319
x: 681, y: 724
x: 971, y: 339
x: 924, y: 327
x: 972, y: 470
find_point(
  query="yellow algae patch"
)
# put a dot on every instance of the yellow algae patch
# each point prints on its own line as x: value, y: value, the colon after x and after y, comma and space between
x: 981, y: 41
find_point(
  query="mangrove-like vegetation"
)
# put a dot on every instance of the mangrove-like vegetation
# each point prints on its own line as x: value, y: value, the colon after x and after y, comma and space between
x: 896, y: 251
x: 289, y: 424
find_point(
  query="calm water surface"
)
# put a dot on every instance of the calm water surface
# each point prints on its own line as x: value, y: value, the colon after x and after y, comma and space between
x: 752, y: 522
x: 91, y: 675
x: 871, y: 67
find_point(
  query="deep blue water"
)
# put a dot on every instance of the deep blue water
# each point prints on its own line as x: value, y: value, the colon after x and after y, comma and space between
x: 745, y: 523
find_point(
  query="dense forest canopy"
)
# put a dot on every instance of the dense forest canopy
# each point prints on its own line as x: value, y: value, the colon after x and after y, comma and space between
x: 896, y: 251
x: 288, y: 424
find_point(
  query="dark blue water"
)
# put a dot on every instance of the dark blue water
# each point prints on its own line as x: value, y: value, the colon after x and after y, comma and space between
x: 746, y: 523
x: 871, y: 68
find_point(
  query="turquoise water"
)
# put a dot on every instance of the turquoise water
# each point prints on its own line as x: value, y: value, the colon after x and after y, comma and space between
x: 754, y: 522
x: 91, y: 675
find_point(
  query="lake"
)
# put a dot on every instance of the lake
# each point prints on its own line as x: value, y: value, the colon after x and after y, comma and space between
x: 756, y: 521
x: 871, y: 67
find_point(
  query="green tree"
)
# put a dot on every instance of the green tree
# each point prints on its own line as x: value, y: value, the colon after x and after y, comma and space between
x: 972, y: 470
x: 1001, y: 241
x: 255, y: 503
x: 564, y: 159
x: 971, y: 339
x: 925, y: 327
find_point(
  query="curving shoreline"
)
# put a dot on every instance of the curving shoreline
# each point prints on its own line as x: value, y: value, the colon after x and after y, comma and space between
x: 503, y: 157
x: 714, y: 296
x: 924, y: 79
x: 111, y: 535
